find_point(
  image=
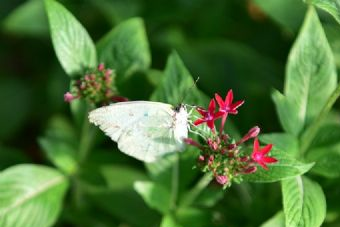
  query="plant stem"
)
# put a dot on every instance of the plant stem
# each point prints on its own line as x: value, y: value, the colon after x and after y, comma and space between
x: 196, y: 191
x: 174, y: 183
x: 85, y: 141
x: 308, y: 136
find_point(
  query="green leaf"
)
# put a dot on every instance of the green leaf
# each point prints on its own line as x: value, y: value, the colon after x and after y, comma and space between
x: 59, y: 145
x: 60, y: 153
x: 283, y: 142
x: 285, y: 168
x: 330, y: 6
x: 304, y: 202
x: 120, y: 176
x: 125, y: 49
x: 278, y: 220
x: 333, y: 36
x: 284, y: 108
x: 310, y: 77
x: 27, y: 19
x: 72, y: 44
x: 178, y: 85
x: 155, y: 195
x: 326, y: 160
x: 169, y: 221
x: 194, y: 217
x: 30, y: 195
x: 288, y: 13
x: 327, y: 135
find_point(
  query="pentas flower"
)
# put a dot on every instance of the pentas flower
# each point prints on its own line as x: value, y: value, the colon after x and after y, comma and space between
x: 209, y: 116
x: 96, y: 86
x: 222, y: 155
x: 259, y: 155
x: 227, y: 106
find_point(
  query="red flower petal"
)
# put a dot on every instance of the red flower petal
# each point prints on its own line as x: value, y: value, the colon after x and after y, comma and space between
x: 269, y: 159
x: 266, y: 149
x: 219, y: 101
x: 229, y: 98
x: 211, y: 107
x: 199, y: 121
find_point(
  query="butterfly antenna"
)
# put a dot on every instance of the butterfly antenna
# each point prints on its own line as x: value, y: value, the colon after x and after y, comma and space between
x: 187, y: 92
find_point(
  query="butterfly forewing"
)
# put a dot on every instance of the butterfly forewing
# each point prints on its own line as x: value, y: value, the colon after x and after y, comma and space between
x: 144, y: 130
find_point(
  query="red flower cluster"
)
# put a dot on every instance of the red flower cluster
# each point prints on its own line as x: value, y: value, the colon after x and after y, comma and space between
x: 221, y: 154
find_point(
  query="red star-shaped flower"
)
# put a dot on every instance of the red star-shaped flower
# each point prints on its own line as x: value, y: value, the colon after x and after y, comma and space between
x: 208, y: 116
x: 227, y: 106
x: 259, y: 155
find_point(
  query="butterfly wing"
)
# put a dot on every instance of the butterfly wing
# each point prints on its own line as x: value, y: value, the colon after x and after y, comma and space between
x: 144, y: 130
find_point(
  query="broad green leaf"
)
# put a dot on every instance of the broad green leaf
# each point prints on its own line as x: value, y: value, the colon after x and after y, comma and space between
x: 304, y: 202
x: 30, y: 195
x: 326, y: 160
x: 286, y: 168
x: 73, y: 45
x: 330, y: 6
x: 288, y: 13
x: 194, y: 217
x: 121, y: 176
x: 60, y: 153
x: 284, y: 108
x: 327, y: 135
x: 28, y: 19
x: 333, y: 36
x: 155, y: 195
x: 59, y: 144
x: 169, y: 221
x: 110, y: 187
x: 310, y: 74
x: 278, y: 220
x: 178, y: 85
x: 125, y: 49
x: 126, y: 205
x: 283, y: 142
x: 162, y: 170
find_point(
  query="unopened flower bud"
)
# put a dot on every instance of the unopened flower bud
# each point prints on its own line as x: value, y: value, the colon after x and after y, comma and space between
x: 101, y: 67
x: 221, y: 179
x: 252, y: 133
x: 201, y: 158
x: 250, y: 170
x: 68, y: 97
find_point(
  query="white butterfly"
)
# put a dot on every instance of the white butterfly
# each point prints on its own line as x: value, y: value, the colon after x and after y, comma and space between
x: 144, y: 130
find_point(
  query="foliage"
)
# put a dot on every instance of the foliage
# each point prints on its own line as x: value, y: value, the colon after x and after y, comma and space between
x: 59, y: 170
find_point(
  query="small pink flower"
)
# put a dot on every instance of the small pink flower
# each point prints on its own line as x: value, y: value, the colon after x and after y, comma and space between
x: 259, y: 155
x: 201, y: 158
x: 227, y: 106
x: 221, y: 179
x: 68, y: 97
x: 208, y: 116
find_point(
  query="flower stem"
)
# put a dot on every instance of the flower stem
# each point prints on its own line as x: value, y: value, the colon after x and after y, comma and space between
x: 174, y: 183
x: 309, y: 135
x: 85, y: 141
x: 190, y: 197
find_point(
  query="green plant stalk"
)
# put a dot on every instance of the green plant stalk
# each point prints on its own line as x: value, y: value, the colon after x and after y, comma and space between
x: 174, y: 183
x: 85, y: 140
x: 192, y: 195
x: 309, y: 135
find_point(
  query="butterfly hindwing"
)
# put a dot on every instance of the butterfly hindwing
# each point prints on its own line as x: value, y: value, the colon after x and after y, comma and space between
x: 144, y: 130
